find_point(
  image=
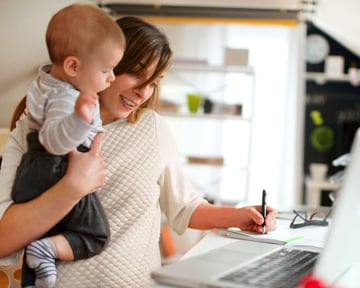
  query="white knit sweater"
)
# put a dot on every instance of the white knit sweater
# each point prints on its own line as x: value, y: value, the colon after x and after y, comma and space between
x: 144, y: 176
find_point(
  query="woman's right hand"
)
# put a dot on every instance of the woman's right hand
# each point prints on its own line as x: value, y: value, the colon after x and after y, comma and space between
x: 86, y: 171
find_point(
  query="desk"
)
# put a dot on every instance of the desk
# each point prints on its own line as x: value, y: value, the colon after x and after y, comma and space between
x: 213, y: 240
x: 313, y: 236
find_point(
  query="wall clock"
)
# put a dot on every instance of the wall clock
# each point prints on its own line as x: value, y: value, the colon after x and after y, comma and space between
x: 317, y: 48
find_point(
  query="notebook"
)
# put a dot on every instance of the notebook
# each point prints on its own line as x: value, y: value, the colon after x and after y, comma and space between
x: 283, y: 235
x: 337, y: 260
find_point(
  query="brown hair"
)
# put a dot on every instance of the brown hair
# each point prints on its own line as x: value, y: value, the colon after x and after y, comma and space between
x: 77, y: 30
x: 145, y: 44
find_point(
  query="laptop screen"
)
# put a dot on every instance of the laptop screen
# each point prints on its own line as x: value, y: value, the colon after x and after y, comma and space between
x: 342, y: 249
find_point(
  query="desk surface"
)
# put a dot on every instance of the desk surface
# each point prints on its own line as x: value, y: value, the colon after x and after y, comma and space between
x: 213, y: 240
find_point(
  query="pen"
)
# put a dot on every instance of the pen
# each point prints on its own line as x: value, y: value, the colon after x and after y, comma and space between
x: 263, y: 206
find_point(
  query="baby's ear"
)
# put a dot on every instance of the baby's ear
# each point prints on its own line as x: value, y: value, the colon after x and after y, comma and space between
x: 71, y: 65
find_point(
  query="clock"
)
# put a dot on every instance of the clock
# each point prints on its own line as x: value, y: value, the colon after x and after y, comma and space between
x: 317, y: 48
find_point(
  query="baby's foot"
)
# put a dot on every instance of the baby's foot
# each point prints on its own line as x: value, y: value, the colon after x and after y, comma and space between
x: 40, y: 256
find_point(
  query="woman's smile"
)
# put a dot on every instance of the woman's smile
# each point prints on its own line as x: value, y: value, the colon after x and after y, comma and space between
x: 127, y: 103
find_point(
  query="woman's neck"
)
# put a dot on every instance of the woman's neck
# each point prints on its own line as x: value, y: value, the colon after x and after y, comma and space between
x: 106, y: 117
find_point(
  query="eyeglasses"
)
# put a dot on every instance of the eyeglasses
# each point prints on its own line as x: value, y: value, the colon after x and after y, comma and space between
x: 301, y: 219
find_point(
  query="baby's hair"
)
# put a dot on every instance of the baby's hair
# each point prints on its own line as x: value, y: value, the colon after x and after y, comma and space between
x: 78, y: 30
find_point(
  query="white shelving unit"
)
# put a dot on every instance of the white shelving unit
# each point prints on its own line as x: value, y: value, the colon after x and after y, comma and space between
x: 216, y: 147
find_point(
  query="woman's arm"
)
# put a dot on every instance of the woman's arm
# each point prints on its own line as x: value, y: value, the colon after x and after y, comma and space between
x: 185, y: 208
x: 25, y: 222
x: 208, y: 216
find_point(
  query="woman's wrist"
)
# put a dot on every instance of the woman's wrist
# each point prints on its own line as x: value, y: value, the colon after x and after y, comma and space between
x: 72, y: 189
x: 208, y: 216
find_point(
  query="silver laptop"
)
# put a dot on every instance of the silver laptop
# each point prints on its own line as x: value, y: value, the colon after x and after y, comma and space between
x: 337, y: 264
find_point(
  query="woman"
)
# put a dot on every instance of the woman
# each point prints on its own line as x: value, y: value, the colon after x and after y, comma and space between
x: 143, y: 178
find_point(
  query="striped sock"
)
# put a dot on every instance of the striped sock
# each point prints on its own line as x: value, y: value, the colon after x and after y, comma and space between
x: 40, y: 256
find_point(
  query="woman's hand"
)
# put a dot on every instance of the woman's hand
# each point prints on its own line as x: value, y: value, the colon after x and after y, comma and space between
x: 250, y: 218
x: 86, y: 171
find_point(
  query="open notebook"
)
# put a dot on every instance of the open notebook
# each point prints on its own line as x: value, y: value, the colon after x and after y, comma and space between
x: 282, y: 236
x: 339, y: 257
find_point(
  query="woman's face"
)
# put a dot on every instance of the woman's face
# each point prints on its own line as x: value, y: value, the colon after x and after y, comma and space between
x: 126, y: 94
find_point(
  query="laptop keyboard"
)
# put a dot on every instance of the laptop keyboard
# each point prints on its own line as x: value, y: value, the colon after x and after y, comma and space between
x: 281, y: 269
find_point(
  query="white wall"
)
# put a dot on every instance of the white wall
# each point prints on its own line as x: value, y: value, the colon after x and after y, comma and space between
x: 23, y: 49
x: 340, y: 20
x: 276, y: 122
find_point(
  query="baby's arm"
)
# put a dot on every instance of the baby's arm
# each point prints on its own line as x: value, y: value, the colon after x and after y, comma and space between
x: 64, y: 129
x: 85, y: 106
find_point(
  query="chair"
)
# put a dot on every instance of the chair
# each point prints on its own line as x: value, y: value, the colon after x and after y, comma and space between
x: 10, y: 276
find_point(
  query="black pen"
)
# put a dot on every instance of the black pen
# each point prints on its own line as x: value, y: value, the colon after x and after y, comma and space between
x: 263, y: 207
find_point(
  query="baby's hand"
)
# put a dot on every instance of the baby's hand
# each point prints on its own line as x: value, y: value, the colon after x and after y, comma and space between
x: 85, y: 106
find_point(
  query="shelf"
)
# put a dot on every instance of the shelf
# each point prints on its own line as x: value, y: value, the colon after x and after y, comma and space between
x: 211, y: 161
x: 216, y: 161
x: 203, y: 116
x: 212, y: 68
x: 322, y: 78
x: 322, y: 184
x: 223, y: 162
x: 314, y: 188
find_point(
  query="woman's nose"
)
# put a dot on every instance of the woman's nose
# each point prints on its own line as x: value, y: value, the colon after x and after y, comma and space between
x: 144, y: 92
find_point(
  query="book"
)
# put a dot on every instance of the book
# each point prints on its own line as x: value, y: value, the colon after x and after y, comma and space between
x: 276, y: 237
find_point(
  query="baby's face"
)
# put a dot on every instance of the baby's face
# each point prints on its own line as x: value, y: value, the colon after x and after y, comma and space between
x: 96, y: 71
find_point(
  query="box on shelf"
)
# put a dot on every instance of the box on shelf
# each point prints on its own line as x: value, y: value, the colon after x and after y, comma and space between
x: 334, y: 66
x: 236, y: 57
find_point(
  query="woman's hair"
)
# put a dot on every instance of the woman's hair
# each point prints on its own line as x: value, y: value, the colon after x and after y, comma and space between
x: 145, y: 45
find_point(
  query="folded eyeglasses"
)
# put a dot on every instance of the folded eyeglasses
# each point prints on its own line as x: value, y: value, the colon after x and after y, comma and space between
x: 301, y: 219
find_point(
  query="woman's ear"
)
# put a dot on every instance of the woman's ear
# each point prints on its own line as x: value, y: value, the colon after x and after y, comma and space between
x: 71, y: 65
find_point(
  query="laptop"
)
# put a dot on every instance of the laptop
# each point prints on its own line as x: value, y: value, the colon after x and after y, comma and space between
x: 339, y: 258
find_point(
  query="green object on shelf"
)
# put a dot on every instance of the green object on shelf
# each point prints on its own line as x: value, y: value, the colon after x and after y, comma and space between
x: 194, y: 102
x: 316, y: 118
x: 322, y: 138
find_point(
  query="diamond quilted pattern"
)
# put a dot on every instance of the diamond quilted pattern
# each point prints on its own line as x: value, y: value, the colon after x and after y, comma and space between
x: 130, y: 198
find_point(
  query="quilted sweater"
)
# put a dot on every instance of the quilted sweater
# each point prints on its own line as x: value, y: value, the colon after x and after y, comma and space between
x: 144, y: 179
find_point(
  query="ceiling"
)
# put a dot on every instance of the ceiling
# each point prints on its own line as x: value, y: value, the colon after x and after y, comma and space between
x: 339, y: 19
x: 261, y: 4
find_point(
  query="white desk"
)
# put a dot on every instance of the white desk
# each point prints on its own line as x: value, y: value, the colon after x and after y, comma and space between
x: 213, y: 240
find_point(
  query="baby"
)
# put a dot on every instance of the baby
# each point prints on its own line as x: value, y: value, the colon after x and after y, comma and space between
x: 84, y: 46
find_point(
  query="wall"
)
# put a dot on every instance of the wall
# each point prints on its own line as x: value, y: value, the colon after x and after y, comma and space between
x: 340, y: 19
x: 22, y: 32
x: 337, y: 103
x: 22, y: 29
